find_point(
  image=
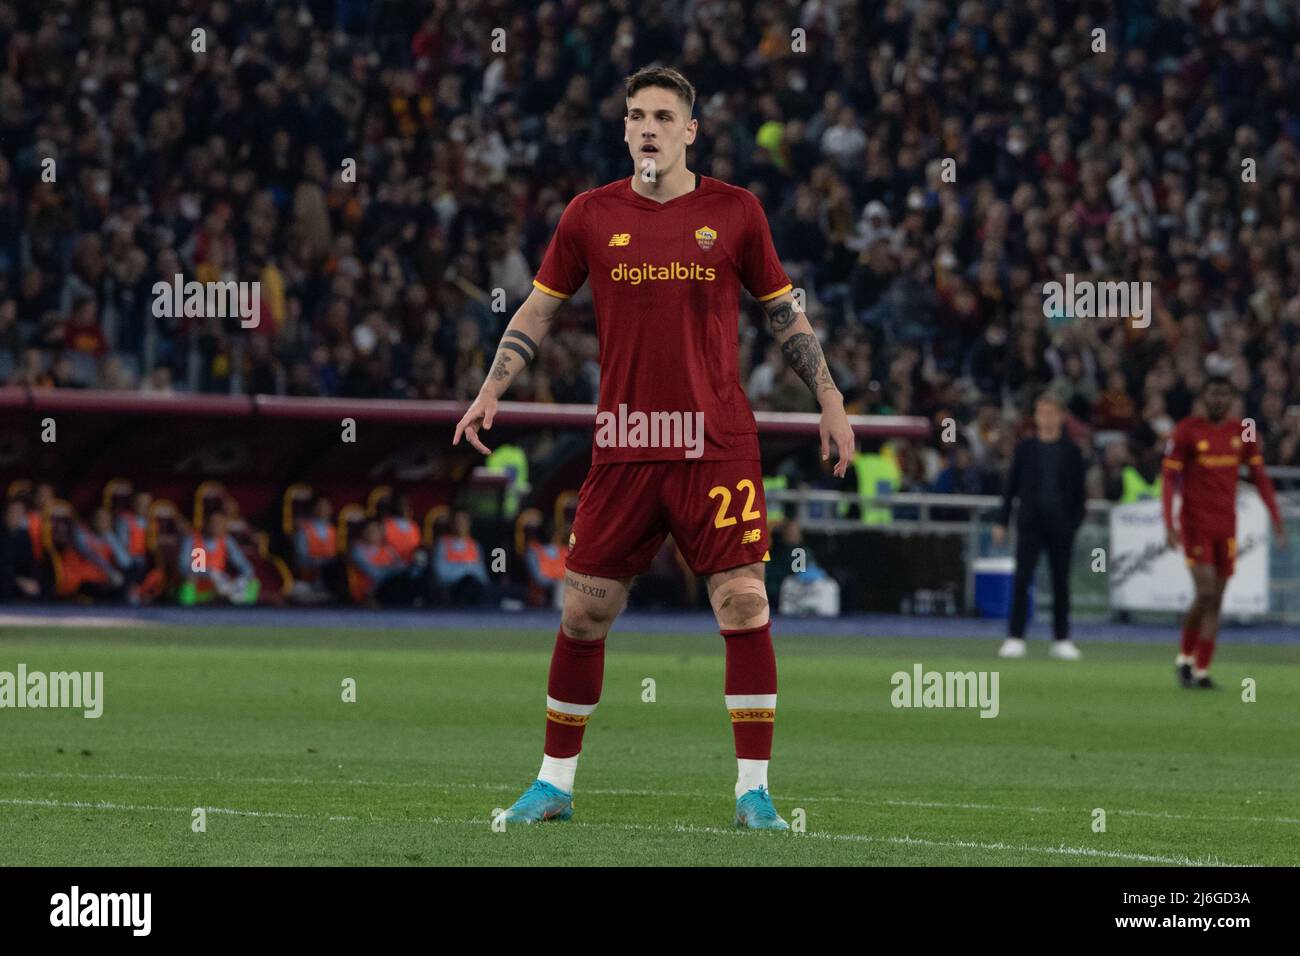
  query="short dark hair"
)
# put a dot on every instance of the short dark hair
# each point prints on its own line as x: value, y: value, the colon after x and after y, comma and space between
x: 665, y: 77
x: 1218, y: 380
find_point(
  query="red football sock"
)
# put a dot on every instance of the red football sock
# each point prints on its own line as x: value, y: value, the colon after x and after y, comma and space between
x: 751, y: 690
x: 1191, y: 635
x: 1204, y: 651
x: 572, y: 692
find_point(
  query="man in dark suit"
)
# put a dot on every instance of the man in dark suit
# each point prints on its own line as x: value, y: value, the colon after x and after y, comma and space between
x: 1047, y: 477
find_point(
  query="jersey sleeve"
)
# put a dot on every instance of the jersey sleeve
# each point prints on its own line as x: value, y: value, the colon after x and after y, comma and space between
x: 1252, y: 453
x: 1172, y: 468
x: 1177, y: 447
x: 760, y: 267
x: 564, y: 267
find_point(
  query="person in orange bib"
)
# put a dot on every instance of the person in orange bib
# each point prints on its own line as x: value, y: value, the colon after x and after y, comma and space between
x: 315, y: 548
x: 90, y: 566
x: 131, y: 535
x: 41, y: 500
x: 213, y: 566
x: 458, y: 564
x: 401, y: 532
x: 545, y: 563
x: 377, y: 571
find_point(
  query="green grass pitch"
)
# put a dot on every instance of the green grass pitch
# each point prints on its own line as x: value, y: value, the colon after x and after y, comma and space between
x: 250, y: 724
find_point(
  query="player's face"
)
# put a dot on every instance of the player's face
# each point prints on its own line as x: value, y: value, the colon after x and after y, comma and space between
x: 1048, y: 418
x: 657, y: 129
x: 1218, y: 399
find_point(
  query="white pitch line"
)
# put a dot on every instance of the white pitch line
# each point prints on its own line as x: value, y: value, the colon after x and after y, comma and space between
x: 618, y: 791
x: 624, y: 792
x: 105, y: 805
x: 1061, y: 850
x: 1129, y: 813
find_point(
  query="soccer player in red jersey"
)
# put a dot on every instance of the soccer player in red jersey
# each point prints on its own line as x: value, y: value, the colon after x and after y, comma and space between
x: 1208, y: 453
x: 666, y: 252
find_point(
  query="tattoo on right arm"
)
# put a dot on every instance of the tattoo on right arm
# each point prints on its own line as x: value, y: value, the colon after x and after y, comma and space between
x: 529, y: 347
x: 518, y: 343
x: 501, y: 368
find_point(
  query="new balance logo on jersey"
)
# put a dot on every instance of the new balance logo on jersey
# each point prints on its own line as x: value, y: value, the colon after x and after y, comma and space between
x: 620, y: 239
x: 646, y: 272
x: 752, y: 535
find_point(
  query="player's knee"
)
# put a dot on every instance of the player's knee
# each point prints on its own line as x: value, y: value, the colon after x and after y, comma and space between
x: 740, y: 603
x: 584, y: 622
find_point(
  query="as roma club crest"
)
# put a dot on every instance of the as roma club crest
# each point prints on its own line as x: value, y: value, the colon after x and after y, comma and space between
x: 706, y: 237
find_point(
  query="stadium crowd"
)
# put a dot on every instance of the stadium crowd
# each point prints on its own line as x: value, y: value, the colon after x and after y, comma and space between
x: 231, y: 163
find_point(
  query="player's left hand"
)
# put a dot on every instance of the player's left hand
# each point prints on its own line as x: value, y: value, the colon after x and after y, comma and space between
x: 835, y: 427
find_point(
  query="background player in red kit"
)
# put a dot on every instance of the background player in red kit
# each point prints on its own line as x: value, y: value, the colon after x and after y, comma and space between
x: 1208, y: 453
x: 666, y: 252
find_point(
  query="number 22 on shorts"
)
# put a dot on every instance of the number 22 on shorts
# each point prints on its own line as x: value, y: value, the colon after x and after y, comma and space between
x: 722, y: 519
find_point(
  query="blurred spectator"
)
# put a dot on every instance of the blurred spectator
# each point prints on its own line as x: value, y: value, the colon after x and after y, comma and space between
x: 213, y: 566
x: 131, y: 539
x: 545, y: 563
x: 459, y: 567
x: 18, y: 577
x: 378, y: 574
x: 402, y: 533
x: 317, y: 569
x: 799, y: 584
x: 91, y: 567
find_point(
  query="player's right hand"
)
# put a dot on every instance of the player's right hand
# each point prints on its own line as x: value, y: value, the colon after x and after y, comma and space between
x: 479, y: 415
x: 1173, y: 539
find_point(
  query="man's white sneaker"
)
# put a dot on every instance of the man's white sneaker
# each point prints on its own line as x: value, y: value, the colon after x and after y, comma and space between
x: 1065, y: 650
x: 1012, y: 647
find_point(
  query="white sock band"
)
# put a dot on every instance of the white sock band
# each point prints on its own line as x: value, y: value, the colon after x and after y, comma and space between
x: 559, y: 771
x: 750, y: 774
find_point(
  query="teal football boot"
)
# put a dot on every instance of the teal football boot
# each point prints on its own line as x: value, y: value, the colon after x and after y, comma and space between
x: 754, y: 811
x: 542, y: 801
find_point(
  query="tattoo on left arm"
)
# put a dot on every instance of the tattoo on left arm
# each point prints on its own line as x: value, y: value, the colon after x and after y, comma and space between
x: 803, y: 353
x: 781, y: 316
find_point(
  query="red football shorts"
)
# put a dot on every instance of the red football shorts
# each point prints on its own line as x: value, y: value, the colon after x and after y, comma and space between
x: 1218, y: 550
x: 715, y: 511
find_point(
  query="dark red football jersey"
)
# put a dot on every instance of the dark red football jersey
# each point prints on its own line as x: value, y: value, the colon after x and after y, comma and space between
x: 1209, y: 457
x: 666, y: 281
